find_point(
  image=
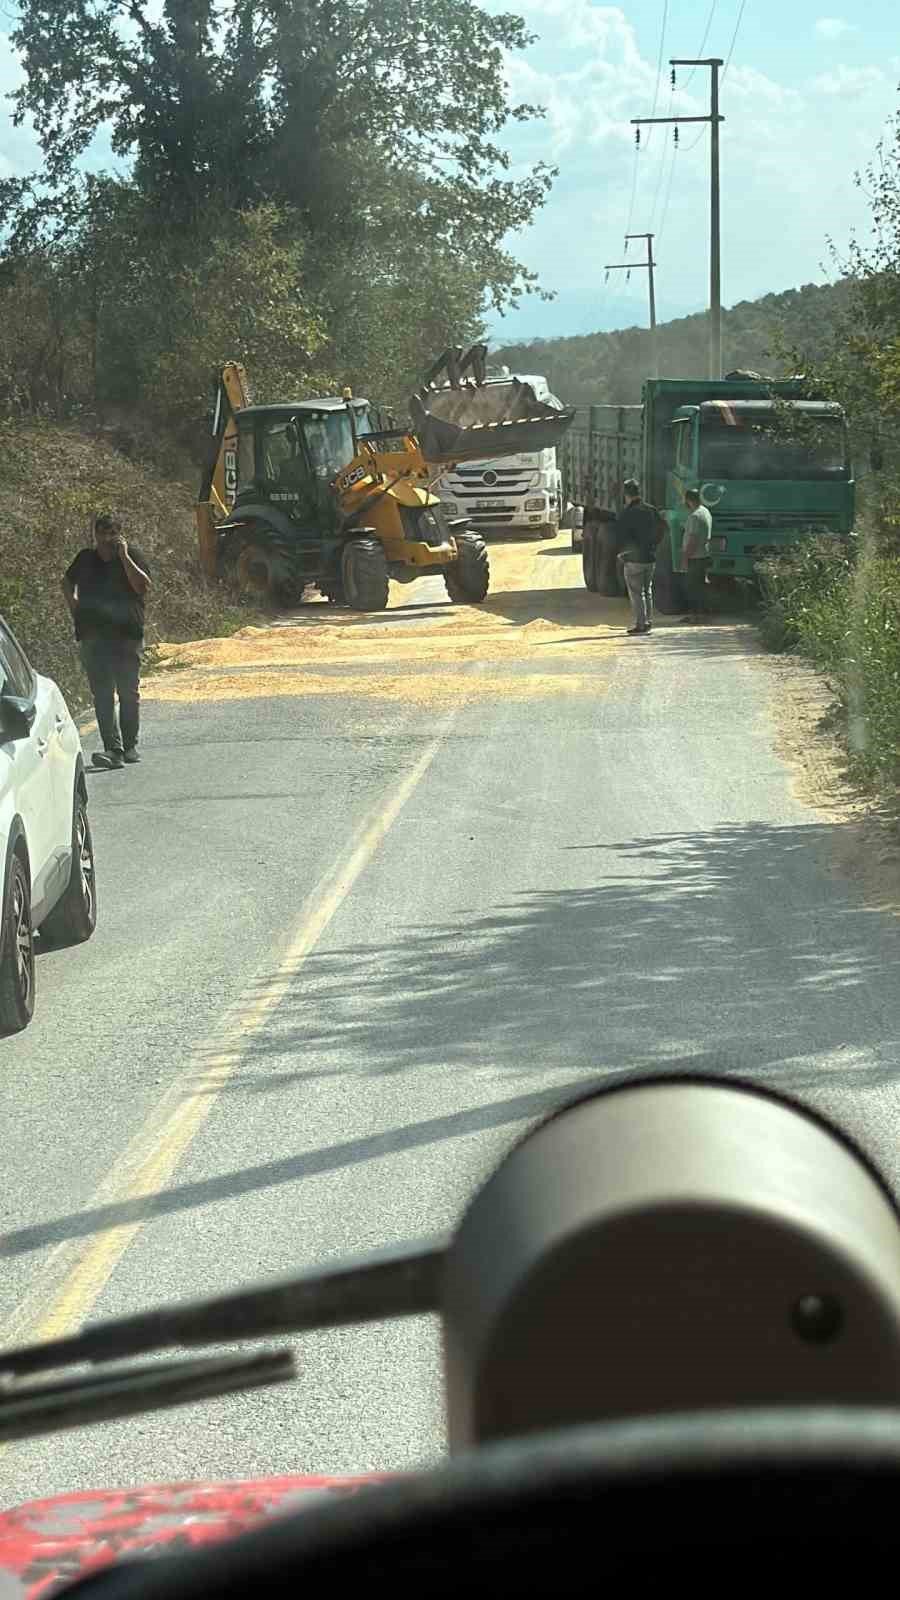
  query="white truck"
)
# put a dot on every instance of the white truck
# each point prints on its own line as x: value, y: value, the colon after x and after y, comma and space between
x: 522, y: 492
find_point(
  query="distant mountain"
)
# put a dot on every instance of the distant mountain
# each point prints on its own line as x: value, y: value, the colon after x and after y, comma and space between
x: 595, y: 367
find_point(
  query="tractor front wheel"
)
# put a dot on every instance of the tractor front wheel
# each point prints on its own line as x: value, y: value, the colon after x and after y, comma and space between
x: 467, y: 579
x: 364, y: 571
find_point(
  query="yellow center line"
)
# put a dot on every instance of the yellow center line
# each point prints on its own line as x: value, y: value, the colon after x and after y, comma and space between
x: 78, y: 1271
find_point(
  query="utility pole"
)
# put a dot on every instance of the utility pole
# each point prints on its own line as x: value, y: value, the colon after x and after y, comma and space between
x: 626, y: 266
x: 715, y: 267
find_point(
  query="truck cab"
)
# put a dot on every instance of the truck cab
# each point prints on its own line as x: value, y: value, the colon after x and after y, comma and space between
x: 769, y: 471
x: 519, y: 492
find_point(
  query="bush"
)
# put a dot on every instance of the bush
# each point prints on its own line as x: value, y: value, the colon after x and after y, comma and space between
x: 841, y: 609
x: 52, y: 480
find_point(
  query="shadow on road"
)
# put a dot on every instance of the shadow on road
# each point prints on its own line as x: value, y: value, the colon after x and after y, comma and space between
x: 736, y: 942
x: 567, y: 607
x: 732, y: 951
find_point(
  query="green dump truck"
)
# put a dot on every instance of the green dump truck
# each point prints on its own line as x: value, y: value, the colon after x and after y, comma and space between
x: 771, y: 464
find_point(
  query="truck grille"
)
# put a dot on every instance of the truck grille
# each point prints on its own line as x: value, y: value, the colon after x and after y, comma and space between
x: 476, y: 484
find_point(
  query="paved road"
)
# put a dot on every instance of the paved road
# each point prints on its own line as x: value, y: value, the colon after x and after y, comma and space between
x: 356, y: 934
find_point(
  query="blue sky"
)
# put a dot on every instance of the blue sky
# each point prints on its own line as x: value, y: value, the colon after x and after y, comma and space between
x: 808, y: 94
x: 806, y: 99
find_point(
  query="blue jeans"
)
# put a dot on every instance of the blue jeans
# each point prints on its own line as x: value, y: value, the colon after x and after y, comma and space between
x: 639, y: 583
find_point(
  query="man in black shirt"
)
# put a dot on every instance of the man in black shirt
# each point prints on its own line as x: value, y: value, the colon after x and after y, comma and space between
x: 104, y: 589
x: 638, y: 532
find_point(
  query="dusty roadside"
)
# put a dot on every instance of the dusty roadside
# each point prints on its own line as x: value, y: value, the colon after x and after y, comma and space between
x: 867, y: 842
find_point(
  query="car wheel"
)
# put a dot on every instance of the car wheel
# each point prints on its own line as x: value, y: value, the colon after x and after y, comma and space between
x: 17, y: 961
x: 74, y: 917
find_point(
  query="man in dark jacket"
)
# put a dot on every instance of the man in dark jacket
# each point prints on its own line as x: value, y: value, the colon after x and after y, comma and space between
x: 104, y: 588
x: 638, y: 532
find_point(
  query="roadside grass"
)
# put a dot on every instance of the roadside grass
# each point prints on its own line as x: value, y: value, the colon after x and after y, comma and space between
x: 52, y: 481
x: 840, y: 608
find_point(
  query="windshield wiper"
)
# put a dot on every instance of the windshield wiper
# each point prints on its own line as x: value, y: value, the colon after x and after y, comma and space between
x: 398, y: 1282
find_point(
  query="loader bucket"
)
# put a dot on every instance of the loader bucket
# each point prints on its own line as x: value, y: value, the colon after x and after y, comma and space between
x: 480, y: 421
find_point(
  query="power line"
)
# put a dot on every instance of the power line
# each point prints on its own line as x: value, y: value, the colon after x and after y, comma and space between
x: 634, y: 178
x: 737, y: 29
x: 669, y: 186
x: 694, y: 143
x: 709, y: 23
x: 662, y: 164
x: 659, y: 62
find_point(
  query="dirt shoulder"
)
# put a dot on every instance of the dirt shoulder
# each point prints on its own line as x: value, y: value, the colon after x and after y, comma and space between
x: 866, y: 845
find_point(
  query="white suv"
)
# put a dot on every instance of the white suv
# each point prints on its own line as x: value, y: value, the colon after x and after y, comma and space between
x: 46, y: 853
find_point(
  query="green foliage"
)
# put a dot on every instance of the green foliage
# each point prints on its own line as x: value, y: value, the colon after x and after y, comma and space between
x: 52, y: 480
x: 856, y: 355
x: 842, y: 611
x: 315, y: 186
x: 762, y: 335
x: 329, y: 109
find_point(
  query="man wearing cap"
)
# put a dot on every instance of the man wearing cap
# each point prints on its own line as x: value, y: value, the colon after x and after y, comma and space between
x: 104, y: 589
x: 638, y: 532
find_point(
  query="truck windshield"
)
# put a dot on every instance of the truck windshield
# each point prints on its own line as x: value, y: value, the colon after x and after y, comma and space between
x: 737, y: 442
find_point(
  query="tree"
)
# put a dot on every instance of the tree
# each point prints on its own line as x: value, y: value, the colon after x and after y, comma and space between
x: 321, y: 106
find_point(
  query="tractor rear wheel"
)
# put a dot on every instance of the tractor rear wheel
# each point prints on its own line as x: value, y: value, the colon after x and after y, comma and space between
x: 468, y: 577
x: 364, y: 571
x: 260, y: 565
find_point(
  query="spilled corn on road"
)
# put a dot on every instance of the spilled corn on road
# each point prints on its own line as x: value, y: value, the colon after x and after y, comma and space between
x: 382, y: 892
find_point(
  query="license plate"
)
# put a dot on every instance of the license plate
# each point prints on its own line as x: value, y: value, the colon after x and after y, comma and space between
x: 484, y: 505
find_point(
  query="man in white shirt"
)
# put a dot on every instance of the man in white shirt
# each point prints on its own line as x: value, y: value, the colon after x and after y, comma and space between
x: 695, y: 556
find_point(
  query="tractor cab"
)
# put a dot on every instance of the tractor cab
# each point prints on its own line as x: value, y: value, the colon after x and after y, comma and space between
x: 290, y: 453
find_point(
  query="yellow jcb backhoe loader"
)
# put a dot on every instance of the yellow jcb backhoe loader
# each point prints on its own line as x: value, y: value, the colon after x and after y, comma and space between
x: 311, y: 492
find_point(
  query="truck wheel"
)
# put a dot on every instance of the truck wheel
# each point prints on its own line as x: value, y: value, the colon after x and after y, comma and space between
x: 577, y: 538
x: 17, y: 962
x: 589, y: 563
x: 74, y: 917
x: 364, y: 571
x: 667, y: 596
x: 549, y: 530
x: 468, y: 577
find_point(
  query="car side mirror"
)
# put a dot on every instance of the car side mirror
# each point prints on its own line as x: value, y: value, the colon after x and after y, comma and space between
x: 16, y: 716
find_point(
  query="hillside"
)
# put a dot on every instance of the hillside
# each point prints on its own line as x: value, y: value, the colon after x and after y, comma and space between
x: 595, y: 367
x: 52, y: 480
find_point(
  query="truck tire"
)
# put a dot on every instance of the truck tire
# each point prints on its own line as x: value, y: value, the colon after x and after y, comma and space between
x: 74, y: 917
x: 548, y: 530
x: 17, y: 961
x: 467, y: 579
x: 667, y: 595
x: 589, y: 563
x: 577, y: 538
x: 364, y: 571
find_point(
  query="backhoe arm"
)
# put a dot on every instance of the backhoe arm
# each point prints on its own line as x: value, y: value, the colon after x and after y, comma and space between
x: 219, y: 480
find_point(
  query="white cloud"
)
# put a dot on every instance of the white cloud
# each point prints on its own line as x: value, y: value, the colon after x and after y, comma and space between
x: 834, y: 27
x: 789, y: 152
x: 849, y: 82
